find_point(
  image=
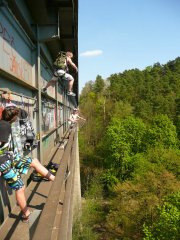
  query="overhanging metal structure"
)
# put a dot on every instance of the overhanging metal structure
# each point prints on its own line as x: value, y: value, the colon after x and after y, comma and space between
x: 57, y: 21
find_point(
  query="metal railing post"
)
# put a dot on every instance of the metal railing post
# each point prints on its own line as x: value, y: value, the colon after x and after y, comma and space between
x: 39, y: 98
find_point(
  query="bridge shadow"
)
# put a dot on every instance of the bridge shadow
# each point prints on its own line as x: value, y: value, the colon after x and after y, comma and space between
x: 17, y: 217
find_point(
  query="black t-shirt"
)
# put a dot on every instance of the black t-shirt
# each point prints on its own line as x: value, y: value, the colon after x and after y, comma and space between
x: 5, y: 131
x: 5, y: 136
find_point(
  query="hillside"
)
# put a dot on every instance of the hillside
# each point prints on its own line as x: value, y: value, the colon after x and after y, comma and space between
x: 130, y: 157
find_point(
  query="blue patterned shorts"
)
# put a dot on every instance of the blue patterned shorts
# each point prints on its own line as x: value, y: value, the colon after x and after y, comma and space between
x: 11, y: 172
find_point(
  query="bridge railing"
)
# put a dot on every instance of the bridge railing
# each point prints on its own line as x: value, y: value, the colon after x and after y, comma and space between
x: 55, y: 221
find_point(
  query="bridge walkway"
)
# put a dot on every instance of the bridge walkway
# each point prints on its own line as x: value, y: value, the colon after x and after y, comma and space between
x: 36, y: 194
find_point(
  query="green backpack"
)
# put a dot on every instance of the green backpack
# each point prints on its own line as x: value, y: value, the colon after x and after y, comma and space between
x: 60, y: 61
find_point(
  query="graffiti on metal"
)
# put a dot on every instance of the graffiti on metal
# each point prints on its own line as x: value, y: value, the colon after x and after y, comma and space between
x: 48, y: 116
x: 10, y: 60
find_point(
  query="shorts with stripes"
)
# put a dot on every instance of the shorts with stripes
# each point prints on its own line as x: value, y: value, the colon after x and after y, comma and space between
x: 11, y: 172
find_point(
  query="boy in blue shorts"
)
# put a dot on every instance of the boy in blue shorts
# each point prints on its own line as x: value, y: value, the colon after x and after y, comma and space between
x: 13, y: 165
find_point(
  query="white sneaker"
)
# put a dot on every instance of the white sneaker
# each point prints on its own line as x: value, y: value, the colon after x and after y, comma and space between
x: 70, y: 93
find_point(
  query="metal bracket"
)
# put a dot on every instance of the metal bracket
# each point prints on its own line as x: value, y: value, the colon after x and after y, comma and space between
x: 48, y: 32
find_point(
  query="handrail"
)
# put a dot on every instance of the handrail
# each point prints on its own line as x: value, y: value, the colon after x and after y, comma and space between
x: 45, y: 225
x: 65, y: 228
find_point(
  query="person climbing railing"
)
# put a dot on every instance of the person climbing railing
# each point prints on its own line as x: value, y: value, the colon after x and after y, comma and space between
x: 63, y: 60
x: 75, y: 118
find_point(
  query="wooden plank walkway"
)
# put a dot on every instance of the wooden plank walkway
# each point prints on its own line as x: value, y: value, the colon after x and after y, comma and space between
x: 36, y: 193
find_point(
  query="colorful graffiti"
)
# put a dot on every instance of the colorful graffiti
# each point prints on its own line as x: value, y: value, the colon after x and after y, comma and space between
x: 11, y: 60
x: 48, y: 116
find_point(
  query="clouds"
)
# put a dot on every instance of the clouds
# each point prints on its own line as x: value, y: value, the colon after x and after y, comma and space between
x: 92, y: 53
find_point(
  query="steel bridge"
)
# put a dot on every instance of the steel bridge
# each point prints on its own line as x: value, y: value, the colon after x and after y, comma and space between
x: 31, y: 34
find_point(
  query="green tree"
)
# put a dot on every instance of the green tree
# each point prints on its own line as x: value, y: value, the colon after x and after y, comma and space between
x: 131, y: 140
x: 136, y: 201
x: 99, y: 85
x: 123, y: 138
x: 167, y: 224
x: 162, y: 132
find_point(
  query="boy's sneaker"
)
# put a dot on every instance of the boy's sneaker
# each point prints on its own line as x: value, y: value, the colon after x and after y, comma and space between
x: 70, y: 93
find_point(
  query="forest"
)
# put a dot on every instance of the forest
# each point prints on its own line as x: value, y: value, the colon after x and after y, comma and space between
x: 130, y: 155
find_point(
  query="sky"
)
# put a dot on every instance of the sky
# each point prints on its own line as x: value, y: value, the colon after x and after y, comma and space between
x: 117, y: 35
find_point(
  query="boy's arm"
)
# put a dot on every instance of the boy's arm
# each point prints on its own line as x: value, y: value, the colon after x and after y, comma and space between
x: 81, y: 118
x: 72, y: 64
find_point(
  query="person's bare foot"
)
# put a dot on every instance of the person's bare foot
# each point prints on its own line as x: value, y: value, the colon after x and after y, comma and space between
x: 25, y: 216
